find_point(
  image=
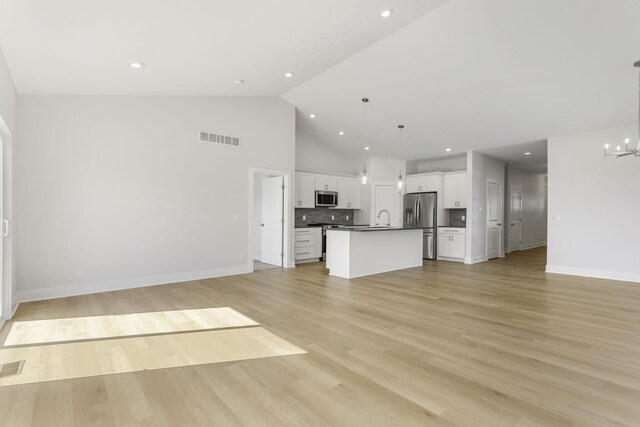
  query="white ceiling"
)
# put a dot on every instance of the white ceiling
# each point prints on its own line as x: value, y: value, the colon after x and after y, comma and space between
x: 464, y: 74
x: 190, y: 47
x: 479, y: 74
x: 535, y: 162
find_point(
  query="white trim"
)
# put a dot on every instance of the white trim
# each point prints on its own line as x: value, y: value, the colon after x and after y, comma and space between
x: 599, y: 274
x: 14, y: 305
x: 8, y: 294
x: 288, y: 213
x: 533, y: 245
x: 508, y: 220
x: 475, y: 260
x: 444, y: 258
x: 500, y: 220
x: 117, y: 285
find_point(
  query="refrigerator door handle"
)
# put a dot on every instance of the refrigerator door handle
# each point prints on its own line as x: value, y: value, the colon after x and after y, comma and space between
x: 415, y: 214
x: 418, y: 219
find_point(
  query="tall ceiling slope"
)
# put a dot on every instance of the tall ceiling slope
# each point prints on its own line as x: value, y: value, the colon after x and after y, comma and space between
x: 190, y: 47
x: 478, y: 74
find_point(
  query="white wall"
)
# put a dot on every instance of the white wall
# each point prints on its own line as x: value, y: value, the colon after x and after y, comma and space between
x: 534, y: 207
x: 316, y: 156
x: 482, y: 168
x: 446, y: 164
x: 597, y: 201
x: 121, y: 188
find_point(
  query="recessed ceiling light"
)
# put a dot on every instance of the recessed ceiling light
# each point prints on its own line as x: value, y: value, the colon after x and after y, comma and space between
x: 239, y: 82
x: 288, y: 75
x: 386, y: 13
x: 341, y: 133
x: 527, y: 153
x: 447, y: 149
x: 367, y: 148
x: 313, y: 116
x: 137, y: 64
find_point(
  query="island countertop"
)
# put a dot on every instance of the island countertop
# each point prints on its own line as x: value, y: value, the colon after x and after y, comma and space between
x: 368, y: 229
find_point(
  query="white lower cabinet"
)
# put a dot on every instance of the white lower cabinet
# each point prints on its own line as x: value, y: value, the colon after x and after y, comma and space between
x: 451, y: 243
x: 308, y: 244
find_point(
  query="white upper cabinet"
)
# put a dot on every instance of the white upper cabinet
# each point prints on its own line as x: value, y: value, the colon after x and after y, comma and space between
x: 343, y: 192
x: 355, y: 194
x: 424, y: 183
x: 348, y: 188
x: 349, y: 193
x: 305, y: 190
x: 455, y: 190
x: 326, y: 183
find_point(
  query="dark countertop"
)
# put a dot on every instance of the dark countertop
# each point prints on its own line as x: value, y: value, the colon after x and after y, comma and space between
x: 370, y: 229
x: 450, y: 226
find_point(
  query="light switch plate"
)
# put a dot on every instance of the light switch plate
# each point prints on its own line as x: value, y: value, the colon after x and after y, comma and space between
x: 304, y: 217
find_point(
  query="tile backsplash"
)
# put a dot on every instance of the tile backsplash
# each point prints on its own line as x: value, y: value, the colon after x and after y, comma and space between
x: 455, y: 217
x: 323, y: 215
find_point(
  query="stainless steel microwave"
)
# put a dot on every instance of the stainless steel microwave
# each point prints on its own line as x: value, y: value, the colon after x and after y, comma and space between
x: 326, y: 198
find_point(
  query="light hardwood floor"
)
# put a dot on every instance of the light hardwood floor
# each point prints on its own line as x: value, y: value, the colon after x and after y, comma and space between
x: 497, y: 343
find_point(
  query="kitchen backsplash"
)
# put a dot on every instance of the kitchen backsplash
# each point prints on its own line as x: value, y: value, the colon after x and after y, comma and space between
x: 323, y: 215
x: 455, y: 217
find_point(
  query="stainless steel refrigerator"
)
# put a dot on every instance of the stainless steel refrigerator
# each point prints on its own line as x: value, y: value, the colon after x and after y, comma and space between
x: 420, y: 211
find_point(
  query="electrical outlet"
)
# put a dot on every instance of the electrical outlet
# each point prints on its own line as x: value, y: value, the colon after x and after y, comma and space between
x: 347, y: 217
x: 333, y: 217
x: 241, y: 259
x: 80, y: 274
x: 236, y: 218
x: 304, y: 217
x: 464, y: 217
x: 557, y: 218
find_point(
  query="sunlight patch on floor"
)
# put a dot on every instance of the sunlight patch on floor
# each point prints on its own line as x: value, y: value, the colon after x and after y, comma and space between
x: 114, y: 356
x: 123, y: 325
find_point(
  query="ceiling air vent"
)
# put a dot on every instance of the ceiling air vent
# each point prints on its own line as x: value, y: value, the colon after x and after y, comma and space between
x: 219, y: 139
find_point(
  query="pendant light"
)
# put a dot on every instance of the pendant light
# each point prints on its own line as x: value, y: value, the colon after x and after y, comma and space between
x: 400, y: 182
x: 627, y: 151
x: 364, y: 176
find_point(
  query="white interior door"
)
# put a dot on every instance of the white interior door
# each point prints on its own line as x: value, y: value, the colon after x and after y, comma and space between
x: 515, y: 219
x: 494, y: 218
x: 387, y: 206
x: 272, y: 220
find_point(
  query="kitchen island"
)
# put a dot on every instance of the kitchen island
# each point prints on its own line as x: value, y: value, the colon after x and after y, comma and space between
x: 361, y: 251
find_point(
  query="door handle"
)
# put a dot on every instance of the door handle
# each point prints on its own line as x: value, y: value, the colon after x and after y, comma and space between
x: 261, y: 225
x: 5, y: 228
x: 498, y: 225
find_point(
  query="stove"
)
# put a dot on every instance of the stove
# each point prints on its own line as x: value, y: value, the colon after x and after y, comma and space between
x: 326, y: 227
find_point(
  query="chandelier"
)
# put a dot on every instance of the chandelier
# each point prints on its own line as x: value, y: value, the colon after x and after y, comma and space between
x: 627, y: 151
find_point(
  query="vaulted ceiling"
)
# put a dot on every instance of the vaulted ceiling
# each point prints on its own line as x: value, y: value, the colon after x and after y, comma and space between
x: 189, y: 47
x: 459, y: 74
x: 476, y: 74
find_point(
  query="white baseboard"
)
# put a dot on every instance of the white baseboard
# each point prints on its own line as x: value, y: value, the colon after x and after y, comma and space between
x: 444, y: 258
x: 117, y: 285
x: 599, y: 274
x: 14, y: 305
x: 475, y: 260
x: 532, y: 245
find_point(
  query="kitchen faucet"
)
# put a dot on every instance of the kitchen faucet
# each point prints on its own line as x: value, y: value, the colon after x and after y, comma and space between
x: 388, y: 217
